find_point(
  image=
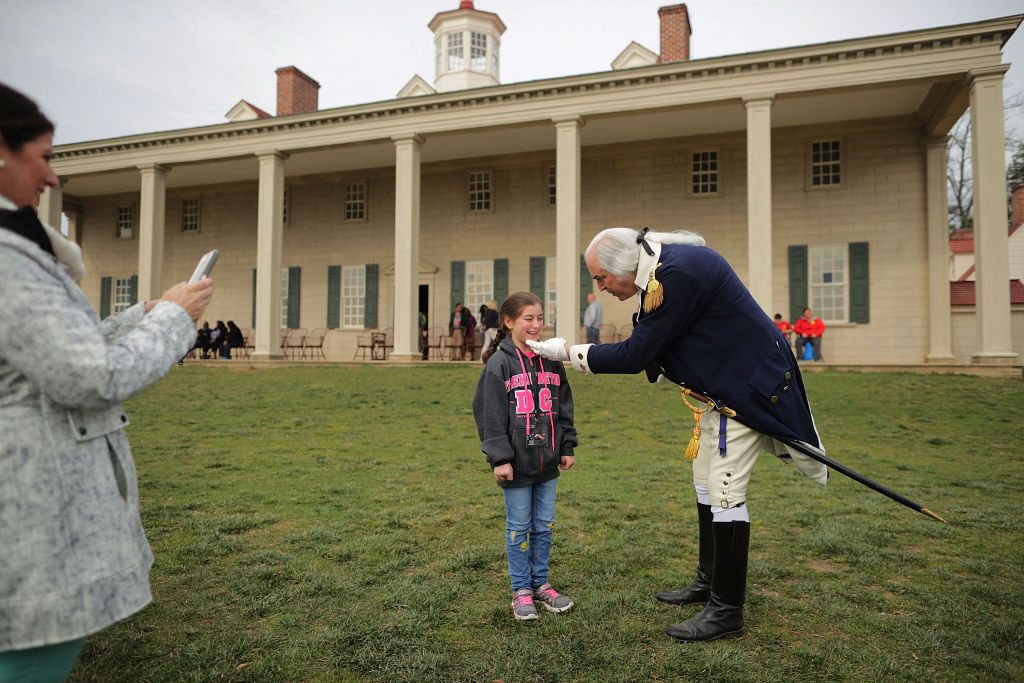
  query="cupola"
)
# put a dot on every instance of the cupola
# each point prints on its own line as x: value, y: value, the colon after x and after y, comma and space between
x: 466, y: 46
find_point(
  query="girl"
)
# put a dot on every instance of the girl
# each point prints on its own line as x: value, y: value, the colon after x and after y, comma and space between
x: 523, y: 411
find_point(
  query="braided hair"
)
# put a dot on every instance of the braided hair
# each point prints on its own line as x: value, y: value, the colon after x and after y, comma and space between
x: 511, y: 307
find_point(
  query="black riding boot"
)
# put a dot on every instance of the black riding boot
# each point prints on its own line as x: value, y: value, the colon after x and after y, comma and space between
x: 700, y: 590
x: 723, y: 615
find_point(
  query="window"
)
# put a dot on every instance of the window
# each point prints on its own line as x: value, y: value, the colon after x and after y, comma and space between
x: 704, y: 173
x: 828, y: 278
x: 478, y: 51
x: 125, y: 222
x: 480, y: 191
x: 190, y: 215
x: 284, y: 207
x: 355, y: 201
x: 479, y: 284
x: 122, y: 294
x: 550, y: 287
x: 455, y: 51
x: 825, y: 163
x: 284, y: 297
x: 552, y: 185
x: 353, y: 296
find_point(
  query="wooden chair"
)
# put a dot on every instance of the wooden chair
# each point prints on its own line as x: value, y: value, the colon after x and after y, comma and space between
x: 624, y: 332
x: 453, y: 345
x: 284, y: 341
x: 608, y: 334
x: 364, y: 343
x: 434, y: 337
x: 389, y: 341
x: 248, y: 343
x: 314, y: 343
x: 292, y: 344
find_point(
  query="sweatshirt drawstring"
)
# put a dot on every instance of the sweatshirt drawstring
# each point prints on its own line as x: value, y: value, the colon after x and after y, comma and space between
x: 551, y: 417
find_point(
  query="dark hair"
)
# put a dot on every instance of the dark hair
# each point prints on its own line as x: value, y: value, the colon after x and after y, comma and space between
x: 778, y: 316
x: 511, y: 307
x: 21, y: 120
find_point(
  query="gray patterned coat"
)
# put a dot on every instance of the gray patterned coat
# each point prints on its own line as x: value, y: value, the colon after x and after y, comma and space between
x: 73, y: 555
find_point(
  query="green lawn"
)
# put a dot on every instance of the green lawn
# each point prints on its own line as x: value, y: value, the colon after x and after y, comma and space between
x: 340, y: 524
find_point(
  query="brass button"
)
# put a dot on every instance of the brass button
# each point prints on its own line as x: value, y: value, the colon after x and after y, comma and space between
x: 774, y: 399
x: 580, y: 356
x: 788, y: 375
x: 728, y: 474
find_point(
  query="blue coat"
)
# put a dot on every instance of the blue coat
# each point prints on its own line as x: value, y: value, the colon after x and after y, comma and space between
x: 711, y: 335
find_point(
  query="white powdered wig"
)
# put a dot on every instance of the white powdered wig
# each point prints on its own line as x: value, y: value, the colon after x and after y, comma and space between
x: 617, y: 251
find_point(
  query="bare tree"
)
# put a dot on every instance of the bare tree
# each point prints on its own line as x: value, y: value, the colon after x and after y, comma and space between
x: 958, y: 170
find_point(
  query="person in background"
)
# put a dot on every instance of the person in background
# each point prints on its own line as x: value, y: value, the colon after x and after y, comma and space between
x: 489, y: 321
x: 592, y: 319
x: 232, y: 339
x: 785, y: 328
x: 73, y: 555
x: 809, y: 329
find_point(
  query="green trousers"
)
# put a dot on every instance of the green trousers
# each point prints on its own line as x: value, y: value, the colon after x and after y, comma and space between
x: 47, y: 664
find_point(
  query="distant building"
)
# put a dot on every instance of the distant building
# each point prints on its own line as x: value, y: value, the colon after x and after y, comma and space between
x: 818, y: 171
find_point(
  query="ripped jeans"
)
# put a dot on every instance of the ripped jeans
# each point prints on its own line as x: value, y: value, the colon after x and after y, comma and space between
x: 529, y: 517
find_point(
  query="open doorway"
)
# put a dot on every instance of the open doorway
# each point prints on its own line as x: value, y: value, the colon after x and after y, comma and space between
x: 424, y: 319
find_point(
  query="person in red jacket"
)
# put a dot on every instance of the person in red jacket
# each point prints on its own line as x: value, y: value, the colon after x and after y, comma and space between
x: 809, y: 329
x: 784, y: 327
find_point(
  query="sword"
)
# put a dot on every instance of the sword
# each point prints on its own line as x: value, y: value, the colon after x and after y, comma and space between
x: 816, y: 453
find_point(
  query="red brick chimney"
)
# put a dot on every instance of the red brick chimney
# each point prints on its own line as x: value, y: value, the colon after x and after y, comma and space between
x: 675, y: 33
x: 1017, y: 205
x: 297, y: 93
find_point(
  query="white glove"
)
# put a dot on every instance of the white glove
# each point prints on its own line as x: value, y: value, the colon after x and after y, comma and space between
x: 552, y: 349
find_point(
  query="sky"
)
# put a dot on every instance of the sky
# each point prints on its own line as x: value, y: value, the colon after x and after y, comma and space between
x: 106, y: 68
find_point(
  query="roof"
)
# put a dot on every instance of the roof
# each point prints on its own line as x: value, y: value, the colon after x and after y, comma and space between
x: 962, y: 293
x: 962, y: 241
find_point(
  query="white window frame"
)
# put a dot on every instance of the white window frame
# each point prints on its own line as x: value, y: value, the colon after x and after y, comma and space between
x: 822, y: 262
x: 284, y: 298
x: 480, y: 190
x: 355, y: 200
x: 479, y: 286
x: 439, y: 55
x: 551, y: 183
x: 705, y: 172
x: 454, y: 49
x: 828, y: 163
x: 353, y: 297
x: 190, y: 214
x: 122, y: 294
x: 550, y: 290
x: 495, y: 45
x: 124, y: 224
x: 478, y: 52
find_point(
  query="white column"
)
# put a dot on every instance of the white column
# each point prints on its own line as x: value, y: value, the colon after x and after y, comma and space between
x: 759, y: 200
x: 407, y: 247
x: 940, y: 338
x: 992, y: 269
x: 152, y: 205
x: 51, y: 203
x: 268, y: 256
x: 73, y: 233
x: 567, y: 231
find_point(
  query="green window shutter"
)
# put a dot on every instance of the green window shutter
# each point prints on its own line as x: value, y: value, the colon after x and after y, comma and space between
x: 370, y: 305
x: 537, y: 275
x: 859, y: 299
x: 105, y: 288
x: 134, y: 289
x: 333, y: 297
x: 500, y: 279
x: 458, y: 283
x: 294, y: 295
x: 254, y: 298
x: 586, y: 286
x: 797, y: 280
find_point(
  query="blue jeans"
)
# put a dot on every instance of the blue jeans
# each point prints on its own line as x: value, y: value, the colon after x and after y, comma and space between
x: 529, y: 516
x: 593, y: 335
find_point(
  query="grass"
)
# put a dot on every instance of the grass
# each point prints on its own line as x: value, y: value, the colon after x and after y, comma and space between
x: 340, y: 524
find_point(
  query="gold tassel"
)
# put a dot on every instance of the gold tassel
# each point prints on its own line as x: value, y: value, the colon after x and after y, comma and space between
x: 693, y: 447
x: 655, y: 293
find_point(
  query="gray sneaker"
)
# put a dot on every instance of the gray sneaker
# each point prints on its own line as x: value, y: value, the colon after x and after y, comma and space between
x: 552, y: 600
x: 523, y: 608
